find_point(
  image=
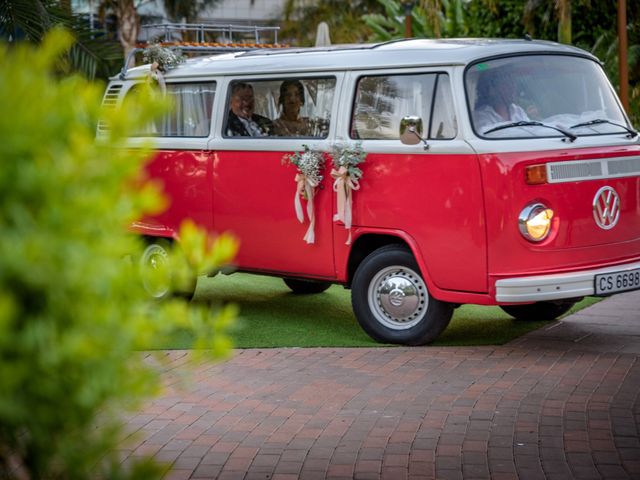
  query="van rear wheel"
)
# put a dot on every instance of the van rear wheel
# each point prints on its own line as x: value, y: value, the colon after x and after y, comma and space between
x: 303, y: 287
x: 155, y: 271
x: 391, y: 301
x: 539, y: 311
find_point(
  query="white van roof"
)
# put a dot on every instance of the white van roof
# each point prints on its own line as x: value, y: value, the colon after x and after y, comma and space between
x: 397, y: 53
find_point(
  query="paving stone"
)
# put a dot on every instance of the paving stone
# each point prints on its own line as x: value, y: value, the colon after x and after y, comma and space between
x: 560, y: 402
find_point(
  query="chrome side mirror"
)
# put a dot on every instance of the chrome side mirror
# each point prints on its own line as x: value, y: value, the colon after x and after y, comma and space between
x: 411, y: 131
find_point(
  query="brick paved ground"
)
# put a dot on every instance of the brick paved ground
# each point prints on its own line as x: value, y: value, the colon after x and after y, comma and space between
x: 562, y: 402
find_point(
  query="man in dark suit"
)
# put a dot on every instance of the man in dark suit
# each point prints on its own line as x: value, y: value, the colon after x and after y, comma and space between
x: 242, y: 122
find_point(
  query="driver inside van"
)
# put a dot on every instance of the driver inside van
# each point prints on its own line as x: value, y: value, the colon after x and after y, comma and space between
x: 496, y: 95
x: 242, y: 121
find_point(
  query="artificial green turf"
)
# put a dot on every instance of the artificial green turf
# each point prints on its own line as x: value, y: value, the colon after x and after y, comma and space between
x: 272, y: 316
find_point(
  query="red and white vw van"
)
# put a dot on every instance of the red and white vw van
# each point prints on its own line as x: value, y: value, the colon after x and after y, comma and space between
x: 497, y: 172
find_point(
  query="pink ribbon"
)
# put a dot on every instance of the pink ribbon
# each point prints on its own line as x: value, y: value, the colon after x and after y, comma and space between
x: 305, y: 187
x: 344, y: 186
x: 156, y: 74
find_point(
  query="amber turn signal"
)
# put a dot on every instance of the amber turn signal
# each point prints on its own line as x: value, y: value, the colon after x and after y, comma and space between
x: 535, y: 174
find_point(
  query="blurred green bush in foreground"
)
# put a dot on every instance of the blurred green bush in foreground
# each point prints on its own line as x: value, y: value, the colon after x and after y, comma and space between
x: 72, y: 311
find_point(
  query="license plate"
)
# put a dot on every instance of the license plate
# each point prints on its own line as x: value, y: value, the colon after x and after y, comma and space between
x: 617, y: 282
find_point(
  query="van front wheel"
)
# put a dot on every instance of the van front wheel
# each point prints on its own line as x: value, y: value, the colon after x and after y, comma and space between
x: 391, y: 301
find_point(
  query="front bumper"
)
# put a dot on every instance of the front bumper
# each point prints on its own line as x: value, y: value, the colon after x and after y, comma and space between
x: 555, y: 286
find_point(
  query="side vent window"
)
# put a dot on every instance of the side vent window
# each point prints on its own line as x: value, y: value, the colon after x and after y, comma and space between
x: 109, y: 100
x: 444, y: 125
x: 111, y: 95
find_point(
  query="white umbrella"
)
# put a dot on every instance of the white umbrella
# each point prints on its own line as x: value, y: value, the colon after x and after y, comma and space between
x: 322, y: 35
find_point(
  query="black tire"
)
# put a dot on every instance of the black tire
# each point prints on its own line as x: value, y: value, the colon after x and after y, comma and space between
x: 303, y: 287
x: 155, y: 271
x: 540, y: 311
x: 391, y: 301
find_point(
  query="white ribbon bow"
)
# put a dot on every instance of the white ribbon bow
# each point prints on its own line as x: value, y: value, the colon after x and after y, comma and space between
x: 156, y: 74
x: 344, y: 186
x: 305, y: 188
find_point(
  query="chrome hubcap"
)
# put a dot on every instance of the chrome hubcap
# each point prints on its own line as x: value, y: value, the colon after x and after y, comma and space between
x: 398, y: 297
x: 154, y: 266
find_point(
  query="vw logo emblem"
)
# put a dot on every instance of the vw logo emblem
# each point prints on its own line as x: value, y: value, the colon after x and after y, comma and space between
x: 606, y: 208
x: 396, y: 297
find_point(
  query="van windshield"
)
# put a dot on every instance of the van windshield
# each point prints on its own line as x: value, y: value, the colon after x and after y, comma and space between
x: 542, y: 96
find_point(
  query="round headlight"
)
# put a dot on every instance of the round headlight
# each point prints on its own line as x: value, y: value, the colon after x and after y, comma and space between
x: 535, y: 222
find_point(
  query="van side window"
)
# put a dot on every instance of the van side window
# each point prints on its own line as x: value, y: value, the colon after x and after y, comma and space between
x: 276, y: 108
x: 382, y: 101
x: 190, y: 115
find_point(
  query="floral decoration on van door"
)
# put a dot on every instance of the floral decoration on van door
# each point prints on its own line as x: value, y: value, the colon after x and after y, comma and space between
x: 310, y: 164
x: 346, y: 175
x: 161, y: 60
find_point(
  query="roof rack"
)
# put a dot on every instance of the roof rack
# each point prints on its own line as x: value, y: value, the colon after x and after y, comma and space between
x: 227, y: 31
x: 210, y: 39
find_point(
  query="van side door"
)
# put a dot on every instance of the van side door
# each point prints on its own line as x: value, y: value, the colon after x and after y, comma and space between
x: 431, y: 197
x: 254, y: 187
x: 181, y: 163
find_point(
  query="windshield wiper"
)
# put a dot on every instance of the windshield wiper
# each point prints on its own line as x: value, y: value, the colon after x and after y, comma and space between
x: 529, y: 123
x: 632, y: 133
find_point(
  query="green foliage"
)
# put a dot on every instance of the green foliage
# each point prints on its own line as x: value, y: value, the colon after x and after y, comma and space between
x: 538, y: 18
x: 427, y: 21
x: 502, y: 19
x: 301, y: 19
x: 92, y: 53
x: 72, y: 311
x: 594, y: 27
x: 606, y: 49
x: 388, y: 25
x: 349, y: 157
x: 27, y: 17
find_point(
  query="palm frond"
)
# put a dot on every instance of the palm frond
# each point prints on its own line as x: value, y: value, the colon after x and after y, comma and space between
x: 23, y: 19
x: 92, y: 54
x: 380, y: 26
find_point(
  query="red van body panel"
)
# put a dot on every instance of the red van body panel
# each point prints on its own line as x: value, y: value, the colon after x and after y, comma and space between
x: 437, y: 200
x: 576, y: 241
x: 254, y: 199
x: 254, y: 195
x: 437, y: 210
x: 186, y: 177
x: 435, y: 203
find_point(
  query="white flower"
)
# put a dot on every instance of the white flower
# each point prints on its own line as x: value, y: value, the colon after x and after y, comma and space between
x: 309, y: 162
x: 165, y: 57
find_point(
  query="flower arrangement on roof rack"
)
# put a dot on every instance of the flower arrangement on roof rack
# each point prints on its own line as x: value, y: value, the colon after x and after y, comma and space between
x: 310, y: 164
x: 346, y: 175
x: 161, y: 59
x: 164, y: 57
